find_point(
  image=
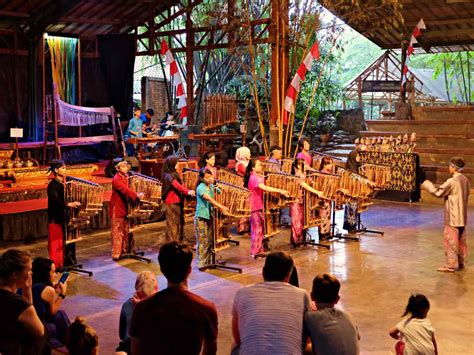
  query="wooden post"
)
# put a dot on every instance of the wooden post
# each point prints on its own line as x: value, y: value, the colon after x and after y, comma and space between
x: 404, y: 60
x: 190, y: 66
x: 359, y: 92
x: 79, y: 81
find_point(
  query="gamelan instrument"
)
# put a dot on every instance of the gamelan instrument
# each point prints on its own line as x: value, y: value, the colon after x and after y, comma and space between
x: 380, y: 175
x: 90, y: 195
x: 153, y: 139
x: 151, y: 200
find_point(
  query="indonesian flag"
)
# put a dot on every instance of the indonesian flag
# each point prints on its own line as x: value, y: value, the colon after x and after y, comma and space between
x: 294, y: 88
x: 416, y: 33
x: 177, y: 81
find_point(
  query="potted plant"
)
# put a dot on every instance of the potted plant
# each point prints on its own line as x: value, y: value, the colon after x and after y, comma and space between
x: 325, y: 128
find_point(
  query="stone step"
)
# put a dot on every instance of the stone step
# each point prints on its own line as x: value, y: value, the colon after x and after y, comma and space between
x: 396, y: 127
x: 442, y: 156
x: 446, y: 112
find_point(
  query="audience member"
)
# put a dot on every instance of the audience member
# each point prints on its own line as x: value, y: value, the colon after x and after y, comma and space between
x: 21, y: 331
x: 415, y: 333
x: 82, y: 338
x: 332, y: 331
x: 174, y: 321
x: 267, y: 318
x: 47, y: 299
x: 145, y: 286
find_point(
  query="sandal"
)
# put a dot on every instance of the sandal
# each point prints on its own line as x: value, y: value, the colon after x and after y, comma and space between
x: 445, y: 269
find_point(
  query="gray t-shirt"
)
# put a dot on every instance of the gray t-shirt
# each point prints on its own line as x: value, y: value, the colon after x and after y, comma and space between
x: 270, y: 318
x: 332, y: 332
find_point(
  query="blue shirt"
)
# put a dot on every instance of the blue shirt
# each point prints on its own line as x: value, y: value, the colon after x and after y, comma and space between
x: 204, y: 207
x: 144, y: 118
x: 135, y: 124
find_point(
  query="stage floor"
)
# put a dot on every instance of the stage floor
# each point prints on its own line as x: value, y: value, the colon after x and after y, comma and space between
x: 378, y: 274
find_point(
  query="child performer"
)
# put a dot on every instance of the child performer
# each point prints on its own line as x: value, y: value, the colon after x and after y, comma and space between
x: 455, y: 191
x: 122, y: 240
x: 255, y: 182
x: 203, y: 217
x: 296, y: 209
x: 415, y: 334
x: 303, y: 148
x: 208, y: 161
x: 242, y: 157
x: 171, y: 192
x: 325, y: 227
x: 57, y: 217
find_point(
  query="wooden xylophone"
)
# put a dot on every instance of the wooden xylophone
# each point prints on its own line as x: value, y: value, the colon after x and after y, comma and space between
x: 152, y: 139
x: 286, y: 165
x: 284, y: 181
x: 151, y: 200
x: 380, y: 175
x: 219, y: 110
x: 90, y: 195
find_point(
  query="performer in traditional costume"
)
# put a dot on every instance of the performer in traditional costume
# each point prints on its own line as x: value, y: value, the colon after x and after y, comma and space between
x: 296, y: 209
x: 203, y: 217
x: 242, y: 157
x: 121, y: 238
x: 350, y: 208
x: 327, y: 166
x: 57, y: 218
x: 208, y: 161
x: 455, y: 191
x: 255, y: 182
x: 172, y: 191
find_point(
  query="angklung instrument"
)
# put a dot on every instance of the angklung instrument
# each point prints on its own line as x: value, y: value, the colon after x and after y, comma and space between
x: 230, y: 177
x: 269, y: 166
x: 354, y: 187
x: 190, y: 181
x: 328, y: 185
x: 151, y: 200
x: 237, y: 200
x: 380, y: 175
x: 90, y: 195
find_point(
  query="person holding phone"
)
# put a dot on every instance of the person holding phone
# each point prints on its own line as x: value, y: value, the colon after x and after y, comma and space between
x: 48, y: 296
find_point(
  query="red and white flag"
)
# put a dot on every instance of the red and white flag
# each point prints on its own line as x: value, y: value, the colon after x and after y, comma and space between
x: 416, y: 33
x: 177, y: 81
x: 294, y: 88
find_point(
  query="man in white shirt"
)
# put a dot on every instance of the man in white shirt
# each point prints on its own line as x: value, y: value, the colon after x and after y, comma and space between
x: 267, y: 318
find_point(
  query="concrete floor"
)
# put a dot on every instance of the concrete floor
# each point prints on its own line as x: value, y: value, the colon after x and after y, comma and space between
x: 378, y: 274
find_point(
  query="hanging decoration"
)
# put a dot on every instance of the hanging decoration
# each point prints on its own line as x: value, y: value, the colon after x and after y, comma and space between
x: 416, y: 33
x: 63, y: 66
x: 178, y: 83
x: 294, y: 88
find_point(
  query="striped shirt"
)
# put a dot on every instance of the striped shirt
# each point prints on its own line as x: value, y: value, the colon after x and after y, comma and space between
x: 270, y: 318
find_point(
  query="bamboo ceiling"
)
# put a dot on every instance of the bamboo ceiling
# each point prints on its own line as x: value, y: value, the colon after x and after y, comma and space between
x: 450, y: 25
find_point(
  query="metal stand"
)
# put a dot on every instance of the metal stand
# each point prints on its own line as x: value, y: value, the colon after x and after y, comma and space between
x: 136, y: 255
x: 335, y: 233
x: 74, y: 268
x: 312, y: 242
x: 217, y: 264
x: 363, y: 229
